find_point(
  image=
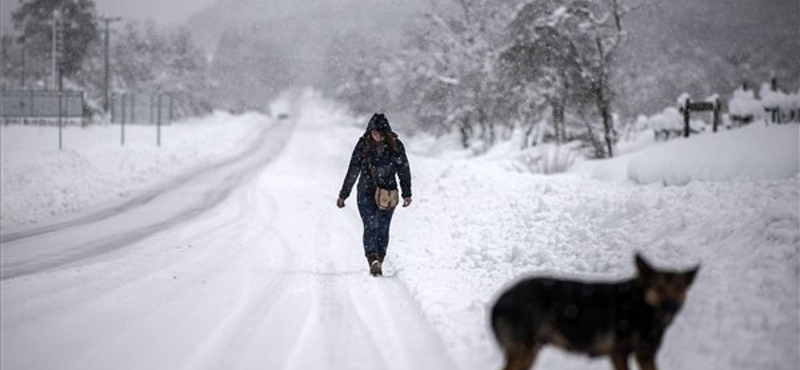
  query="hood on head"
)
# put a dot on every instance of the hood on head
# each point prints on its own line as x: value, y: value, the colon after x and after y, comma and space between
x: 380, y: 123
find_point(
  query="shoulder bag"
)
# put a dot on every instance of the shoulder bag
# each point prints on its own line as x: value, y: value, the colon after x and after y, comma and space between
x: 385, y: 199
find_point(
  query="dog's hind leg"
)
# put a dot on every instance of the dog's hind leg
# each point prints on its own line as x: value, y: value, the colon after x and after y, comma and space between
x: 646, y: 361
x: 521, y: 359
x: 619, y: 360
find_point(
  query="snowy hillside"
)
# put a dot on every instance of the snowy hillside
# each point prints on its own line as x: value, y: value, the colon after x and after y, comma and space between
x: 274, y: 276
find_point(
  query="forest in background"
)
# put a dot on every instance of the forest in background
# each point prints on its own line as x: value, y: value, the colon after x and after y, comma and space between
x: 488, y: 70
x: 450, y: 65
x: 142, y: 57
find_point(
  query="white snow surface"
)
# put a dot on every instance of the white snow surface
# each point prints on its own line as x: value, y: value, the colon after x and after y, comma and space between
x: 779, y: 99
x: 669, y: 119
x: 40, y: 181
x: 754, y: 151
x: 274, y: 276
x: 744, y: 103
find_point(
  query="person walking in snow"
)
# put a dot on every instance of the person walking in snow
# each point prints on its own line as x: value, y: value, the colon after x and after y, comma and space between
x: 378, y: 159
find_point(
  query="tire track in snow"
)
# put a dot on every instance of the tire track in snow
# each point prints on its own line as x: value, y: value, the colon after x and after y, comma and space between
x: 245, y: 337
x: 116, y: 278
x: 334, y: 334
x: 138, y: 200
x: 226, y: 346
x: 375, y: 318
x: 130, y: 324
x: 222, y: 344
x: 19, y: 260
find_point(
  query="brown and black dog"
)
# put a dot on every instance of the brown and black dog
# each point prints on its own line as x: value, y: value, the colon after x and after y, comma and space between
x: 612, y: 319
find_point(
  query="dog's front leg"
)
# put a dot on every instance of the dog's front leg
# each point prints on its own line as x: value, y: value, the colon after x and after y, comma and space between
x: 521, y: 359
x: 619, y: 360
x: 646, y: 361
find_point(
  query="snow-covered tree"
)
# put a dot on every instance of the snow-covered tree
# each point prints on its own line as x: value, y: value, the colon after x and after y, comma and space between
x: 12, y: 65
x: 451, y: 68
x: 543, y: 60
x: 485, y: 68
x: 148, y: 60
x: 35, y: 19
x: 586, y: 35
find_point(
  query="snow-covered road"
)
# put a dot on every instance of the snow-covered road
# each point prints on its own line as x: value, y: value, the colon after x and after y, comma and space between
x: 236, y: 268
x: 74, y: 237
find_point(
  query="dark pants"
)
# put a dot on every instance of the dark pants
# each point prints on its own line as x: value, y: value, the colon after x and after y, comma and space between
x: 376, y: 224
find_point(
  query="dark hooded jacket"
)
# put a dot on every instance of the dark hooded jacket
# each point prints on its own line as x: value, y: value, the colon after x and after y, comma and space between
x: 381, y: 158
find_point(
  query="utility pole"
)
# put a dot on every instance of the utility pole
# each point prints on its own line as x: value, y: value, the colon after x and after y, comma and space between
x: 24, y: 52
x: 53, y: 52
x: 3, y: 63
x: 4, y: 47
x: 60, y: 53
x: 107, y: 79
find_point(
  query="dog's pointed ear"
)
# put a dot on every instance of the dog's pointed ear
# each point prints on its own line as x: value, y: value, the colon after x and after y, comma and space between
x: 688, y: 276
x: 645, y: 270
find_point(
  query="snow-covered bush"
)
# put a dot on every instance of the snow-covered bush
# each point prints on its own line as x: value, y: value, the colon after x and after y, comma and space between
x: 549, y: 158
x: 744, y: 104
x: 780, y: 107
x: 667, y: 123
x: 778, y: 99
x: 746, y: 107
x: 668, y: 119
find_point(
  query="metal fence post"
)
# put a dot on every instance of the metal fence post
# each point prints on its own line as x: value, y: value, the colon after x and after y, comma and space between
x: 151, y: 109
x: 158, y: 123
x: 84, y: 111
x: 25, y: 121
x: 60, y: 119
x: 133, y: 107
x: 686, y: 118
x: 122, y: 122
x: 169, y: 111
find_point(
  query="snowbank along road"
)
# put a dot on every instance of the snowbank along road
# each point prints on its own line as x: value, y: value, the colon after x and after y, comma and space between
x: 244, y: 265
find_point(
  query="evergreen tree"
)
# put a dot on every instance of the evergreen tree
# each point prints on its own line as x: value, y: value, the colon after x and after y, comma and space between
x: 35, y: 19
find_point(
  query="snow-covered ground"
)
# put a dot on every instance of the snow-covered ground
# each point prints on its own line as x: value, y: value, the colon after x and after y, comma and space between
x: 38, y: 181
x: 273, y: 276
x: 478, y: 227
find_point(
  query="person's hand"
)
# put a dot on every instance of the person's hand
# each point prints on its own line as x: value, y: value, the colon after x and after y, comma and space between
x: 340, y: 202
x: 406, y: 202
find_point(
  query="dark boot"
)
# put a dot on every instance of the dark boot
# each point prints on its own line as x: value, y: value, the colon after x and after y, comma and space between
x: 374, y: 264
x: 380, y: 266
